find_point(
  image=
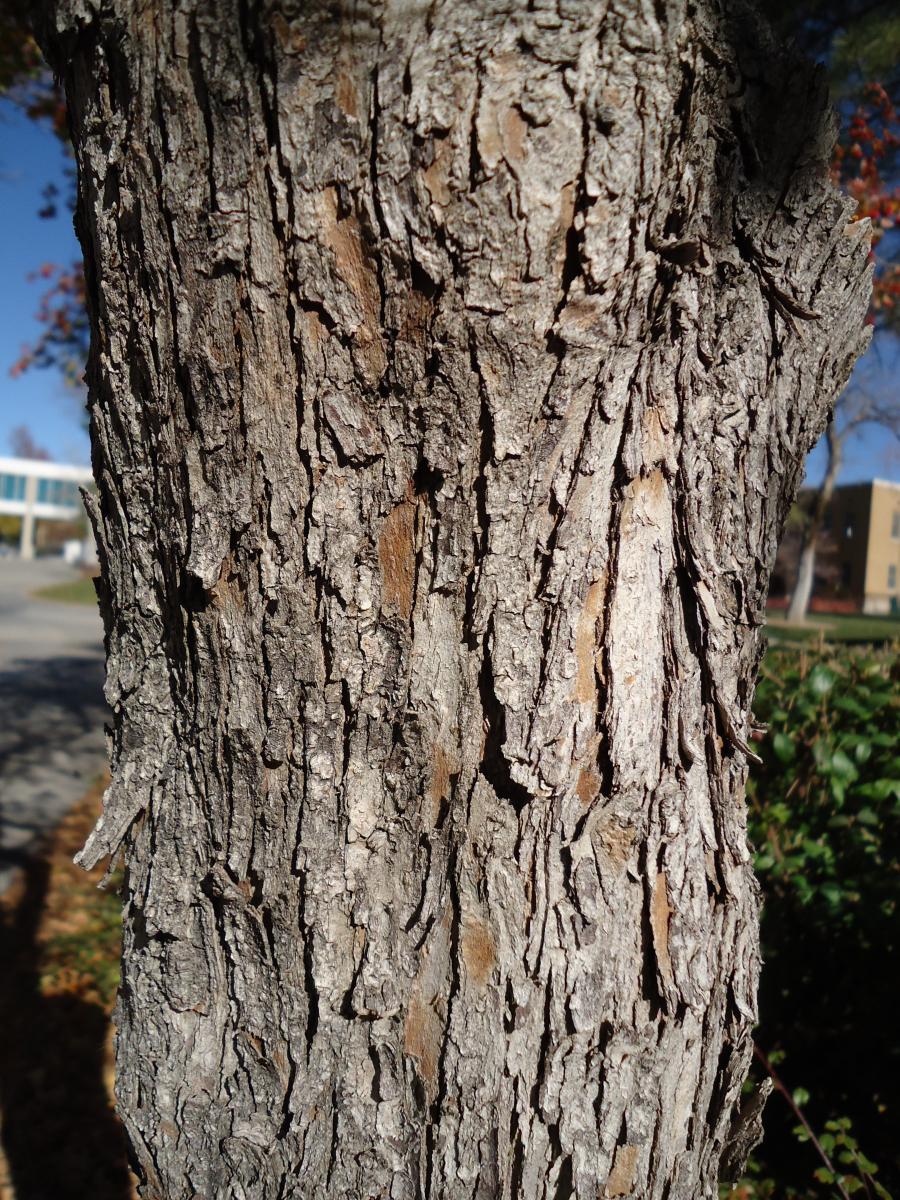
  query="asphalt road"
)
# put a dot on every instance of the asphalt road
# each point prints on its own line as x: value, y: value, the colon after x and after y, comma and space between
x: 52, y: 711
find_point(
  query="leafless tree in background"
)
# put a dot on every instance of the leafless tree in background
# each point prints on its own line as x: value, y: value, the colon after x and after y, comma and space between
x: 857, y: 408
x: 23, y: 445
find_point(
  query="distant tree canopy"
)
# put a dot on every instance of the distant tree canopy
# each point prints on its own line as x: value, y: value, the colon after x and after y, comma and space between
x: 23, y: 445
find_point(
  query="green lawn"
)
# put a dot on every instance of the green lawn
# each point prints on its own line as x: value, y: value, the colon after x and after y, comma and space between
x: 833, y: 627
x: 73, y: 591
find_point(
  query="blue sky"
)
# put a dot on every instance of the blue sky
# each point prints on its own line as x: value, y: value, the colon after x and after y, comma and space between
x: 31, y: 157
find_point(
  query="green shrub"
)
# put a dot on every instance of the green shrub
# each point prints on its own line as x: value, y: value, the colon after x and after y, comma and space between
x: 824, y: 812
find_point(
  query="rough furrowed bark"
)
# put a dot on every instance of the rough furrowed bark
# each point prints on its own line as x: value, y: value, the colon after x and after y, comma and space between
x: 453, y: 369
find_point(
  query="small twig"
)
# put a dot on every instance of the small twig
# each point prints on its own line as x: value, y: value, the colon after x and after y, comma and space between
x: 779, y: 1087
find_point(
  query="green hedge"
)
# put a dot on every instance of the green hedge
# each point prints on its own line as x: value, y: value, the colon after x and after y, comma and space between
x: 824, y: 812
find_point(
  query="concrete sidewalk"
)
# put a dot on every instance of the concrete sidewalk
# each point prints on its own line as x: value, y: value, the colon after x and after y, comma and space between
x: 52, y: 711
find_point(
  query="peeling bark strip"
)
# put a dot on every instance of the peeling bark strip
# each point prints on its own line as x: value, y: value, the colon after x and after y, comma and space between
x: 453, y: 368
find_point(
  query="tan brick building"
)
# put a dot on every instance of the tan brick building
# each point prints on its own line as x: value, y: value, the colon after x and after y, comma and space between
x: 862, y: 544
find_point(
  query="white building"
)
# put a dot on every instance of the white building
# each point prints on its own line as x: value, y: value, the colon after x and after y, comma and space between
x: 35, y: 490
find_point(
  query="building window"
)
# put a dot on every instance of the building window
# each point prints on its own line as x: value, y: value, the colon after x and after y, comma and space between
x: 895, y: 524
x: 12, y: 487
x: 851, y: 521
x: 57, y: 491
x: 892, y: 577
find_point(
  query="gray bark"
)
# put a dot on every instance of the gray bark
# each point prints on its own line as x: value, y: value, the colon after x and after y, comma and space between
x: 806, y: 567
x: 453, y: 368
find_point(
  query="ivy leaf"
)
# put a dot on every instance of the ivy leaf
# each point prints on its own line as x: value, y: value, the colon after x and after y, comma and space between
x: 880, y: 789
x: 843, y: 766
x: 862, y: 751
x: 821, y: 680
x: 783, y: 747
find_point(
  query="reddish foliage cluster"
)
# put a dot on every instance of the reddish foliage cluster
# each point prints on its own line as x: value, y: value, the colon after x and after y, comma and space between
x: 24, y: 77
x: 867, y: 149
x: 64, y: 340
x: 46, y: 103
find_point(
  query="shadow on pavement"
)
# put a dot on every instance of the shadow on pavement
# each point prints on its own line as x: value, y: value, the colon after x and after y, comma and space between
x: 61, y: 1139
x: 52, y: 748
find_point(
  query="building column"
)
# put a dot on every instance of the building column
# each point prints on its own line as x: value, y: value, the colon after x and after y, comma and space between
x: 26, y: 541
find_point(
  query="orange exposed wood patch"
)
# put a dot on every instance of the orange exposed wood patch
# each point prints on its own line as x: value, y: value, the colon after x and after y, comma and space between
x: 312, y: 328
x: 586, y: 644
x: 437, y: 174
x: 556, y: 246
x: 397, y: 555
x: 617, y: 840
x: 422, y: 1037
x: 515, y: 132
x: 358, y: 272
x: 588, y: 786
x: 660, y: 914
x: 478, y: 950
x: 621, y: 1177
x: 228, y: 591
x: 439, y: 788
x: 345, y: 94
x: 417, y: 314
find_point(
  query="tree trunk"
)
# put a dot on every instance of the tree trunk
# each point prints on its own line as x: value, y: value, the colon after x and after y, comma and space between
x: 453, y: 369
x: 806, y: 568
